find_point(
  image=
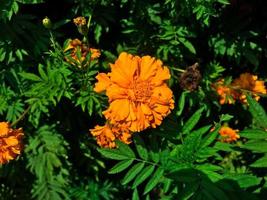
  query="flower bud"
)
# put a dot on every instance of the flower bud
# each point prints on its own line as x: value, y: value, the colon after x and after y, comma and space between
x: 47, y: 23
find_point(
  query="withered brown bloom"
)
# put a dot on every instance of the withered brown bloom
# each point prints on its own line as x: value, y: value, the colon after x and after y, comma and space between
x: 190, y: 78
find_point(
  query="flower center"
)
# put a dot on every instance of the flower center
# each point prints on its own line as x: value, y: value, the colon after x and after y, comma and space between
x: 142, y: 91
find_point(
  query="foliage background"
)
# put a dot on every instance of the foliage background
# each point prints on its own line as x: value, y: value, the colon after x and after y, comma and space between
x: 56, y: 106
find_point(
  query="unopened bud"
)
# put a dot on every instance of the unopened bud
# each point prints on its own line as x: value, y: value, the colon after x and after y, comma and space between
x: 47, y: 23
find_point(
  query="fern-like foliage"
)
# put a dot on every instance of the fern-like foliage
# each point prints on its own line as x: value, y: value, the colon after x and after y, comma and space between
x: 93, y: 190
x: 47, y: 160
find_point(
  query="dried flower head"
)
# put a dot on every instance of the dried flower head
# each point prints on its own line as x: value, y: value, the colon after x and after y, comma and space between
x: 189, y: 80
x: 228, y: 134
x: 10, y: 142
x: 138, y: 94
x: 106, y: 135
x: 76, y: 45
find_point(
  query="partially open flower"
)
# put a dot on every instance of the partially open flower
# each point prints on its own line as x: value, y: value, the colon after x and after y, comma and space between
x: 10, y: 142
x: 73, y: 46
x: 106, y: 135
x: 250, y: 83
x: 189, y: 80
x: 225, y: 93
x: 228, y: 134
x: 138, y: 94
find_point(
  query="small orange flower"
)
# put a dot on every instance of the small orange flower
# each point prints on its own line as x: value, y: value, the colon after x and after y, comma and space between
x: 225, y: 93
x: 138, y: 94
x: 10, y: 142
x: 79, y: 21
x: 228, y: 134
x: 74, y: 45
x: 106, y: 135
x: 249, y: 82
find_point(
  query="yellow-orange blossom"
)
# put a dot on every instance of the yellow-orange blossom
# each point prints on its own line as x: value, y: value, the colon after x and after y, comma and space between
x: 10, y: 142
x: 138, y: 94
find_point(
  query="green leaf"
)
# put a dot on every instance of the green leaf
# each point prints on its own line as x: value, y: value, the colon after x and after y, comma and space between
x: 144, y: 174
x: 132, y: 173
x: 42, y: 73
x: 253, y: 134
x: 135, y: 195
x: 189, y: 190
x: 192, y: 121
x: 154, y: 180
x: 226, y: 2
x: 225, y: 117
x: 211, y: 137
x: 262, y: 162
x: 212, y: 189
x: 140, y: 147
x: 122, y: 165
x: 30, y: 76
x: 244, y: 180
x: 181, y: 103
x: 258, y: 146
x: 114, y: 154
x: 257, y: 112
x: 187, y: 44
x: 125, y: 149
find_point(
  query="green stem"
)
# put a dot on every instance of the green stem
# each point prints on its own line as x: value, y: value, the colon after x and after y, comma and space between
x: 21, y: 116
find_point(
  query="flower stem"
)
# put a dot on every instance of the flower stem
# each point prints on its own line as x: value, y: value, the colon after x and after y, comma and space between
x: 21, y: 116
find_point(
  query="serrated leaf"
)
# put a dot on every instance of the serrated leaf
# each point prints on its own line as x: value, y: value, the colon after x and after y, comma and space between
x: 132, y: 173
x: 210, y: 138
x: 244, y: 180
x: 254, y: 134
x: 140, y: 147
x: 262, y: 162
x: 257, y: 112
x: 125, y: 149
x: 192, y: 121
x: 122, y: 165
x: 154, y: 180
x: 113, y: 154
x: 144, y: 174
x: 258, y: 146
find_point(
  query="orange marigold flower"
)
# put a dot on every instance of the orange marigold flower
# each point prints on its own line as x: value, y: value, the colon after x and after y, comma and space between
x: 106, y: 135
x: 138, y: 94
x: 74, y: 45
x: 10, y: 142
x: 79, y: 21
x: 228, y: 134
x: 249, y: 82
x: 225, y: 93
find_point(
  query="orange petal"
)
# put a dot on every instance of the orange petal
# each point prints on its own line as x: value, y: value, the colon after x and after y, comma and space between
x: 103, y: 82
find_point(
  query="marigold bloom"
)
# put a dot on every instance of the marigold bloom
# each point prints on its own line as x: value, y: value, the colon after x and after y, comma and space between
x: 10, y: 142
x: 106, y: 135
x: 74, y: 45
x: 225, y: 93
x: 138, y: 94
x: 79, y: 21
x: 248, y: 82
x: 228, y: 134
